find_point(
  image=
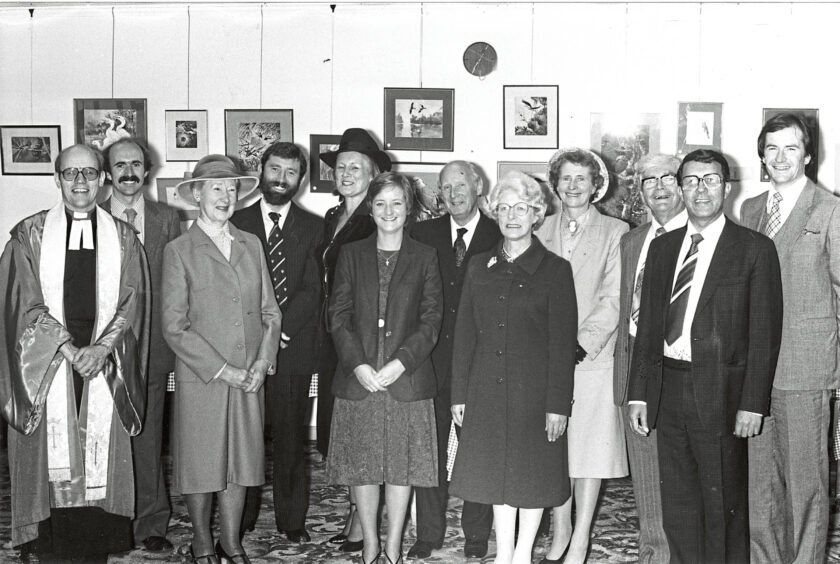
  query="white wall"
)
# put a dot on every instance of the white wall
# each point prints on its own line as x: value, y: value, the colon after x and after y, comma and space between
x: 331, y: 68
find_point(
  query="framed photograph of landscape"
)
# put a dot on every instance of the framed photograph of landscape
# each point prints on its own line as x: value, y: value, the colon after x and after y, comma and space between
x: 419, y: 119
x: 812, y: 121
x: 424, y: 178
x: 530, y: 117
x: 29, y: 149
x: 321, y: 175
x: 186, y: 135
x: 102, y: 121
x: 539, y: 172
x: 249, y: 132
x: 699, y: 126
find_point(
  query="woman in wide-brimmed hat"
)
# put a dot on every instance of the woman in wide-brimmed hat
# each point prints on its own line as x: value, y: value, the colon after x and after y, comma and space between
x: 222, y: 322
x: 356, y: 162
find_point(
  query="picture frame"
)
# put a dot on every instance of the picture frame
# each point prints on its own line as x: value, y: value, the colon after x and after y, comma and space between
x: 419, y: 119
x: 99, y: 122
x: 249, y: 132
x: 321, y: 175
x: 168, y: 194
x: 699, y: 126
x: 29, y: 150
x: 186, y: 135
x: 424, y: 177
x: 539, y: 172
x: 530, y: 116
x: 811, y: 117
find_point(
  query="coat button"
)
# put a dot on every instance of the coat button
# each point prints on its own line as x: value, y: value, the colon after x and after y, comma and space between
x: 500, y: 380
x: 387, y: 333
x: 452, y: 310
x: 238, y: 323
x: 236, y: 298
x: 501, y: 298
x: 240, y: 346
x: 499, y: 353
x: 452, y: 283
x: 501, y: 325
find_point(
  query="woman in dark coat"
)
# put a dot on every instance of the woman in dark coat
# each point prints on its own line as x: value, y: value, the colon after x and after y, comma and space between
x: 513, y: 372
x: 385, y: 315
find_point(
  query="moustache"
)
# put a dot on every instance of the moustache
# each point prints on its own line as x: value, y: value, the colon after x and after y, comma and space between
x: 130, y: 178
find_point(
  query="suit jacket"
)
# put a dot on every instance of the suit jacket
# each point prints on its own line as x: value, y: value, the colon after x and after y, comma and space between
x: 735, y: 334
x: 809, y: 252
x: 302, y: 233
x: 631, y: 250
x: 412, y: 318
x: 437, y: 233
x: 161, y: 225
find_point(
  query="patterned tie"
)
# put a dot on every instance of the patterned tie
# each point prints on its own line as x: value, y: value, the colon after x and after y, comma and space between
x: 460, y: 247
x: 679, y: 296
x: 637, y: 289
x: 775, y: 221
x: 276, y: 260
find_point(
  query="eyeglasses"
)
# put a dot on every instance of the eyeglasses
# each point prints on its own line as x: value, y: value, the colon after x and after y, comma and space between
x: 71, y: 174
x: 710, y: 181
x: 519, y: 209
x: 667, y: 180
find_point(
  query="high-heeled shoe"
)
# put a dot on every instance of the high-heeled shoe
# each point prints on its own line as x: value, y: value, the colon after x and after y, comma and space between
x: 226, y: 558
x: 204, y: 558
x: 388, y: 558
x: 341, y: 537
x: 375, y: 558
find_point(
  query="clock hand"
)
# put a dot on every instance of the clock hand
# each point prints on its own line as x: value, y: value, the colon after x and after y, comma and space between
x: 480, y: 58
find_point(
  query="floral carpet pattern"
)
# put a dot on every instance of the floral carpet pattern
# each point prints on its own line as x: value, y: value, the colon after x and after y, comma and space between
x: 614, y: 534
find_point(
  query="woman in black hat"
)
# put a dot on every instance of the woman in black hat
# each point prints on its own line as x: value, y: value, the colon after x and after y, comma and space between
x: 356, y: 161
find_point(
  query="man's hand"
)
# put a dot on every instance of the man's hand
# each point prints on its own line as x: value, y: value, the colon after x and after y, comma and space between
x: 555, y: 425
x: 638, y: 418
x: 747, y: 424
x: 235, y: 377
x: 69, y: 351
x: 458, y: 413
x: 90, y: 360
x: 389, y: 373
x: 366, y: 376
x: 257, y: 375
x: 580, y: 354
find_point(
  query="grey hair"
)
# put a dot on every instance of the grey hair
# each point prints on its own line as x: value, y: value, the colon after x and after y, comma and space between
x: 654, y: 160
x: 524, y: 186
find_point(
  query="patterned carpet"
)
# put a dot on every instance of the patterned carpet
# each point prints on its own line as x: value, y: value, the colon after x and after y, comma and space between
x: 614, y: 532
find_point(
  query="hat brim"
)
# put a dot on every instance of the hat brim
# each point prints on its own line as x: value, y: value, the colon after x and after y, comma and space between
x: 603, y: 172
x: 247, y: 184
x: 382, y: 160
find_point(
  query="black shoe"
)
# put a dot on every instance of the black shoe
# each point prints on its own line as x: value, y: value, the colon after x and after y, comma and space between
x: 157, y: 544
x: 352, y: 546
x: 475, y: 549
x: 28, y: 554
x: 226, y: 558
x: 296, y: 535
x: 422, y: 549
x: 340, y: 538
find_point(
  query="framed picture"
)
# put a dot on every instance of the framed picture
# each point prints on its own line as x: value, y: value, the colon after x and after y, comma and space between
x: 419, y: 119
x: 699, y: 126
x: 424, y: 177
x: 102, y: 121
x: 530, y: 117
x: 29, y: 149
x: 186, y: 135
x: 539, y: 172
x: 167, y: 194
x: 249, y: 132
x: 812, y: 120
x: 321, y: 176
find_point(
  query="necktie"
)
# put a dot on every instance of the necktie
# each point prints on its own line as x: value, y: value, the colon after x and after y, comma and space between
x: 679, y: 296
x: 460, y: 247
x: 637, y: 289
x: 130, y: 215
x: 775, y: 221
x: 277, y: 260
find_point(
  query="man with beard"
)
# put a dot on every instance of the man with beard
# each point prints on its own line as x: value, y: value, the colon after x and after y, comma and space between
x: 128, y: 165
x: 290, y: 236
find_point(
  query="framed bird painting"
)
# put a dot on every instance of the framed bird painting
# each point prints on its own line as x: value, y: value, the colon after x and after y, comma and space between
x: 100, y: 122
x: 530, y: 117
x: 419, y: 119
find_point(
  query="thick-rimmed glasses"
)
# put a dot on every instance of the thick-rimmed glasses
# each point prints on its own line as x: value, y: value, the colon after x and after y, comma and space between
x: 667, y: 180
x: 71, y: 174
x: 520, y: 209
x: 710, y: 181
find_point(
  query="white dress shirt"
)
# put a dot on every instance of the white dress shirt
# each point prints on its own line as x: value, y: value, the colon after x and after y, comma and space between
x: 790, y: 195
x: 118, y: 210
x: 267, y: 208
x: 471, y: 226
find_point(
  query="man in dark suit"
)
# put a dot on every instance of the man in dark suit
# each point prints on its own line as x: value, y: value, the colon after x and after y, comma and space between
x: 457, y: 236
x: 290, y: 236
x: 789, y: 499
x: 657, y: 174
x: 128, y: 165
x: 709, y: 331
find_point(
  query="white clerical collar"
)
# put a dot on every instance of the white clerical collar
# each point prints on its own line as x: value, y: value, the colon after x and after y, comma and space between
x: 81, y: 231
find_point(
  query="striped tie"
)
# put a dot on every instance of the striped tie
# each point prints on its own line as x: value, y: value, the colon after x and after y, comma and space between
x: 637, y: 289
x: 679, y: 296
x: 277, y: 260
x: 775, y: 221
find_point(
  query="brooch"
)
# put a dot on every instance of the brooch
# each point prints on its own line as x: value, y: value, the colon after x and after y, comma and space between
x: 492, y: 261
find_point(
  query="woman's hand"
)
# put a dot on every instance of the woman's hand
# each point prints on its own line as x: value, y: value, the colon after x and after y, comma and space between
x: 366, y: 376
x: 235, y: 377
x: 555, y: 425
x: 90, y: 360
x: 458, y: 413
x: 389, y: 373
x: 256, y: 375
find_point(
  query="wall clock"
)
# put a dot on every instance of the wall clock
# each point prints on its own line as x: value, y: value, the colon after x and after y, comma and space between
x: 480, y: 59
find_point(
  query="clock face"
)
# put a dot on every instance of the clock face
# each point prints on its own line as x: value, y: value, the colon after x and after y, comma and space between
x: 480, y: 59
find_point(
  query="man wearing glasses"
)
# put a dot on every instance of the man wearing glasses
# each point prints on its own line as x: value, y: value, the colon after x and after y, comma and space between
x: 708, y: 337
x: 789, y: 461
x: 661, y: 194
x: 72, y: 369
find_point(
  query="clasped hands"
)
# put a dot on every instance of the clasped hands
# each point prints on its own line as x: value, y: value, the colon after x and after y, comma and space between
x: 374, y: 381
x: 555, y: 424
x: 87, y: 361
x: 250, y: 380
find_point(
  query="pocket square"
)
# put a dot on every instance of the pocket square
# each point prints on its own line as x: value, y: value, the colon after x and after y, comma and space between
x: 807, y: 231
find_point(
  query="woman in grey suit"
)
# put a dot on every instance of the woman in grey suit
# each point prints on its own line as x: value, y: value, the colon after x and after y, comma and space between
x: 222, y: 322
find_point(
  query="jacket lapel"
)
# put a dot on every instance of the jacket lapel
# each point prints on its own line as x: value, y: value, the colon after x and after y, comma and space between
x: 590, y: 238
x: 237, y: 246
x: 403, y: 261
x: 204, y: 244
x: 153, y: 227
x: 795, y: 224
x: 718, y: 267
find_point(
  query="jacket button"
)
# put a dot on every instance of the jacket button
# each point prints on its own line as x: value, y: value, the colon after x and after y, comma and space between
x: 238, y: 323
x: 499, y: 353
x: 501, y: 325
x: 500, y: 380
x: 452, y: 310
x: 236, y: 298
x: 239, y: 347
x: 387, y: 333
x: 452, y: 283
x: 501, y: 298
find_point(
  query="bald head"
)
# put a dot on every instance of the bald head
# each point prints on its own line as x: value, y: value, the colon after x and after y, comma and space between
x: 79, y: 176
x: 460, y: 186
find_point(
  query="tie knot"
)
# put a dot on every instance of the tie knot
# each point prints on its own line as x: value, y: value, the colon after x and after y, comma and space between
x: 130, y: 215
x: 696, y: 238
x: 274, y: 216
x: 777, y: 197
x: 659, y: 231
x: 461, y: 231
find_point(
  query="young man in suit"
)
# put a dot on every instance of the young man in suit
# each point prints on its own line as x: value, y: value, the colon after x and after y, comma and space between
x: 709, y: 331
x: 789, y: 496
x: 128, y: 165
x: 463, y: 232
x: 657, y: 174
x: 290, y: 236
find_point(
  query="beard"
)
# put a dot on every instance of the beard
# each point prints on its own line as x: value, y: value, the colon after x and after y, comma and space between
x: 276, y: 198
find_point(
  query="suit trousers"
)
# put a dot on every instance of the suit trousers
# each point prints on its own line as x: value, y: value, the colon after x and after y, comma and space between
x: 789, y: 497
x: 704, y: 478
x: 152, y: 502
x: 644, y: 469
